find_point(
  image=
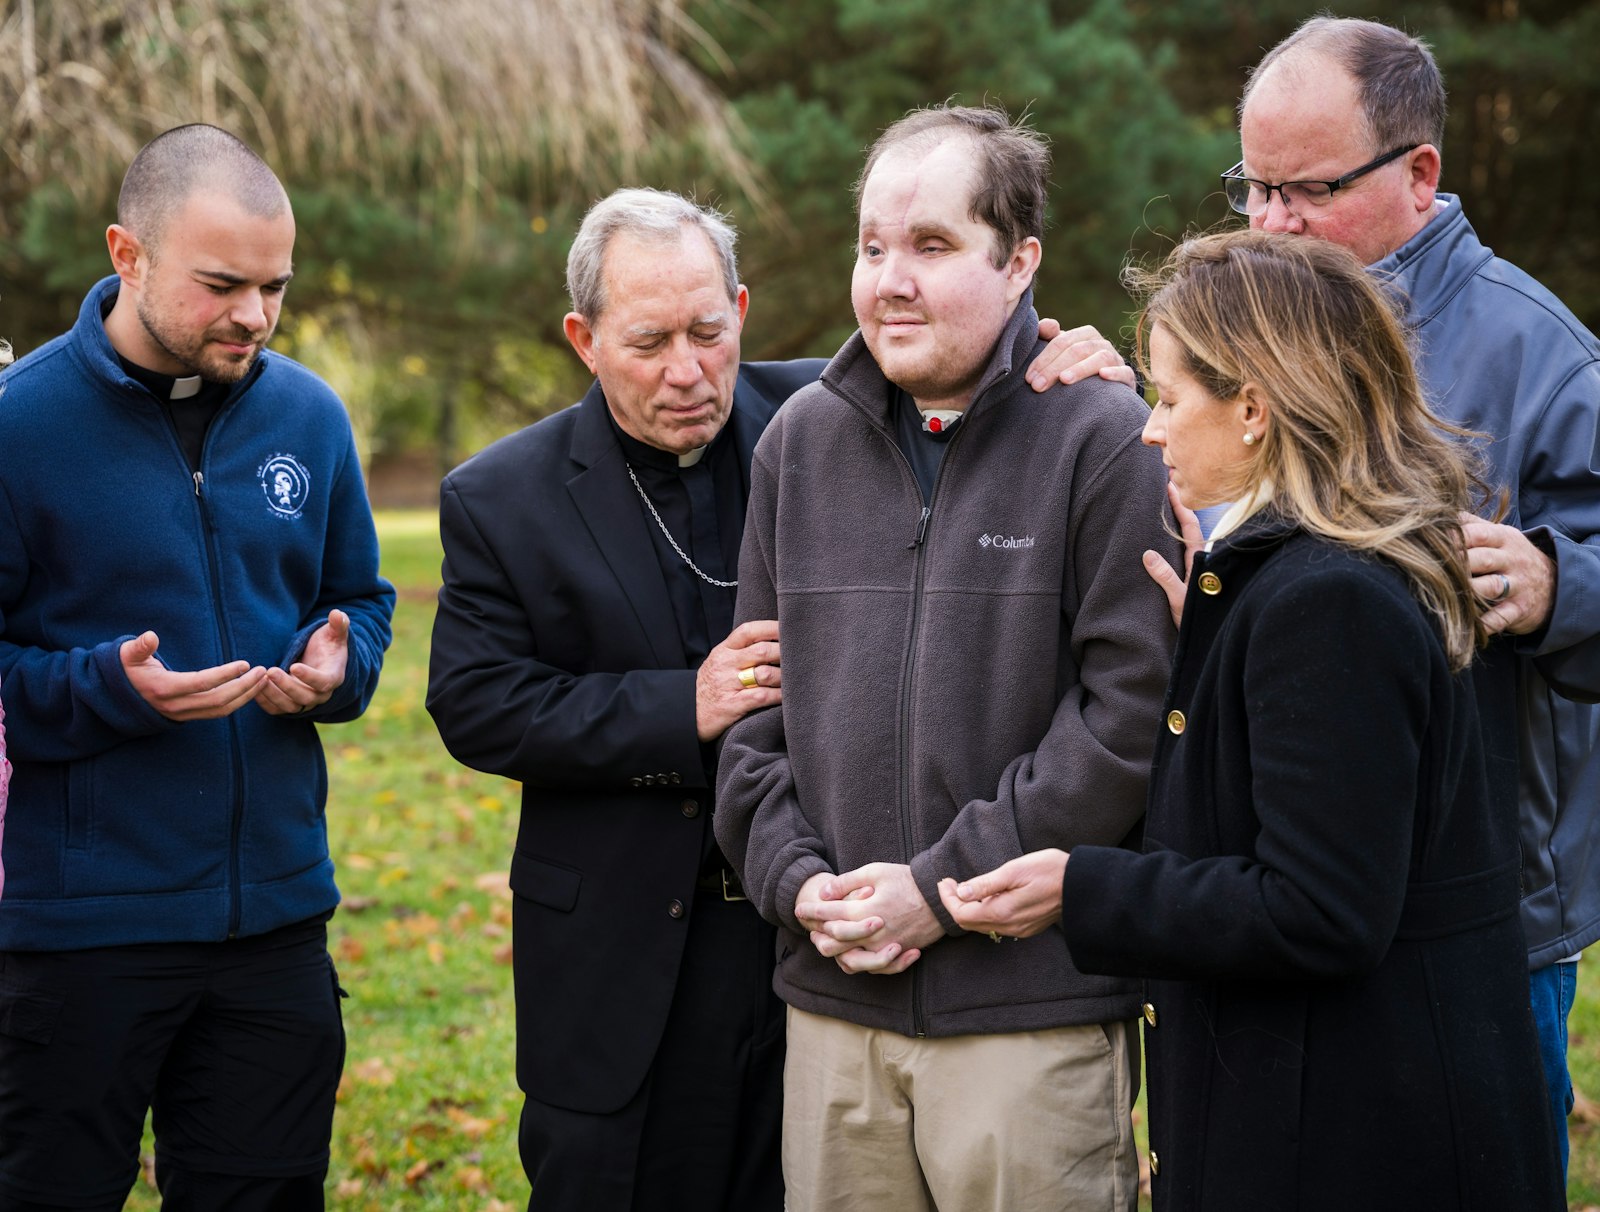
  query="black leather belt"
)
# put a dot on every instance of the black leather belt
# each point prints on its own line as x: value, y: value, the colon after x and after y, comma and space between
x: 723, y: 882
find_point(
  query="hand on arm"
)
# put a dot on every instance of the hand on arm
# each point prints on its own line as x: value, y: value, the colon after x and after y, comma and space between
x: 872, y: 919
x: 310, y: 681
x: 1076, y: 354
x: 1511, y: 574
x: 1175, y: 587
x: 1018, y: 899
x: 205, y: 694
x: 721, y: 696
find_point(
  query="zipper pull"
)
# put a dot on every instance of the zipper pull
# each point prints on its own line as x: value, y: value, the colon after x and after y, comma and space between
x: 922, y: 529
x: 199, y: 482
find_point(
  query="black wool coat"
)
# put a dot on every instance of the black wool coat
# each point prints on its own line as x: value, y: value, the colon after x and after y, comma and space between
x: 1326, y: 909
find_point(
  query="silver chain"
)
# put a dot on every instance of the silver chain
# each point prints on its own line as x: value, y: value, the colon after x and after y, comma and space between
x: 650, y: 505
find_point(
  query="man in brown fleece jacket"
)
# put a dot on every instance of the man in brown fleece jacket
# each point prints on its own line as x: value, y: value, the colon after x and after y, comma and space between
x: 973, y: 663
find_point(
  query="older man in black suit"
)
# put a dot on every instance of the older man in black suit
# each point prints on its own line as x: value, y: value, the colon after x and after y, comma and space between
x: 588, y: 584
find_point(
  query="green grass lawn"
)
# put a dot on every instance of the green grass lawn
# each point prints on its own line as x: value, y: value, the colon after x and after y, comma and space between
x: 428, y: 1105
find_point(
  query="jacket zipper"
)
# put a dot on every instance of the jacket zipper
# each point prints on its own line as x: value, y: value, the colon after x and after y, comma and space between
x: 919, y: 1023
x: 208, y: 537
x: 236, y: 821
x: 919, y: 1017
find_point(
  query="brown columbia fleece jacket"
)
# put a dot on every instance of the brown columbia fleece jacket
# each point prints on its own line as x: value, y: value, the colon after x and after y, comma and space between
x: 961, y: 684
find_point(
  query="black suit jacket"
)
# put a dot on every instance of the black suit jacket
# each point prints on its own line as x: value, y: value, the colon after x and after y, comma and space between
x: 557, y: 660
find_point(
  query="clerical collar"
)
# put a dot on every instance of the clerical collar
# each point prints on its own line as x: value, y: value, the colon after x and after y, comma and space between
x: 164, y: 387
x: 642, y: 454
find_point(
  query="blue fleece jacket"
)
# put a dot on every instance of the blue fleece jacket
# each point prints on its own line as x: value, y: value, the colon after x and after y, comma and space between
x: 124, y: 826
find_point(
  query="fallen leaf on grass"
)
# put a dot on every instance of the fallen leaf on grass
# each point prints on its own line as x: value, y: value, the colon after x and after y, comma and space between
x: 366, y: 1160
x: 350, y: 950
x: 502, y: 953
x: 471, y: 1126
x: 147, y: 1169
x: 496, y: 883
x: 417, y: 1172
x: 435, y: 952
x: 358, y: 904
x: 374, y: 1071
x: 1584, y: 1109
x: 470, y: 1178
x: 349, y: 1188
x: 360, y: 862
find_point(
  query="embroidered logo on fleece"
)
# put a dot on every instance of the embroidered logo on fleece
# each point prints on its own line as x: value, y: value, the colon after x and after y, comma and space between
x: 1004, y: 542
x: 286, y: 482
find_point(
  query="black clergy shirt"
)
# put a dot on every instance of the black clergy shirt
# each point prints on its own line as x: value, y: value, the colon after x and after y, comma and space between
x: 703, y: 507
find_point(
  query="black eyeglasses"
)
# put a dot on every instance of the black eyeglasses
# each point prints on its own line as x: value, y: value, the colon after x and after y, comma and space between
x: 1250, y: 197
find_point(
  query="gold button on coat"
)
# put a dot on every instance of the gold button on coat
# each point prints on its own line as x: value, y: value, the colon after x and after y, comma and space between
x: 1176, y: 723
x: 1210, y: 583
x: 1155, y: 1163
x: 1150, y: 1014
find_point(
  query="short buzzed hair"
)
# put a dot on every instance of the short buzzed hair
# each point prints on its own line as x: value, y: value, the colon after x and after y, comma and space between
x: 1398, y: 83
x: 652, y: 215
x: 1011, y: 184
x: 185, y: 160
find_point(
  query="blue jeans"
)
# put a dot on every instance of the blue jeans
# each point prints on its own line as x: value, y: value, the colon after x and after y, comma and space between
x: 1552, y: 990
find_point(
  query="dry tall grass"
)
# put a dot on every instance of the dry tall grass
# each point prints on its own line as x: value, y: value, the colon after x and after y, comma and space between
x: 541, y: 95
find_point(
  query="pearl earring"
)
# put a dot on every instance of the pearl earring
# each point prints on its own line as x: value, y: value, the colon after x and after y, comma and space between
x: 1249, y: 438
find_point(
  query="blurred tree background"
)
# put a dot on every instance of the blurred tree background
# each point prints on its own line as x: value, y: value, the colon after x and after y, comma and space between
x: 440, y: 153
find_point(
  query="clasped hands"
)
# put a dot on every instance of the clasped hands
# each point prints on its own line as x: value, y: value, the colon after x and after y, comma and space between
x: 875, y: 919
x: 872, y: 919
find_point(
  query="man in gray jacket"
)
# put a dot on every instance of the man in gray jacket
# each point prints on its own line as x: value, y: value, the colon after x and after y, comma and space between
x: 973, y: 664
x: 1341, y: 125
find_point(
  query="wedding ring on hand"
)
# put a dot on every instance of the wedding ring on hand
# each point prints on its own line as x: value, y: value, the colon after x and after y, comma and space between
x: 747, y: 677
x: 1505, y: 589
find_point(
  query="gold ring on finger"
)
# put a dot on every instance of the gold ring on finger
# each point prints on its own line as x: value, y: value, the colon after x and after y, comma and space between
x: 747, y: 677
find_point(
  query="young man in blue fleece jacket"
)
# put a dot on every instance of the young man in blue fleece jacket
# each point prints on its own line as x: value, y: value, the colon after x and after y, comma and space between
x: 188, y: 583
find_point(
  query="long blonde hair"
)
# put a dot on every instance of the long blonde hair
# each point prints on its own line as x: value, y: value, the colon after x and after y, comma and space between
x: 1353, y: 452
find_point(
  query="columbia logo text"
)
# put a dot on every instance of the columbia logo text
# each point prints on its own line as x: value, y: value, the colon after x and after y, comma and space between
x: 1005, y: 541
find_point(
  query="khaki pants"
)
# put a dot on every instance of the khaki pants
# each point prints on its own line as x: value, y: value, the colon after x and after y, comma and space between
x: 1037, y: 1121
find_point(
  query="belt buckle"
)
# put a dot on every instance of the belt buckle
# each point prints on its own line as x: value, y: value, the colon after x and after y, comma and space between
x: 732, y: 896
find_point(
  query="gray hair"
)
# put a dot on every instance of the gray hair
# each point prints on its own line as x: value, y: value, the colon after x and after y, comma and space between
x: 652, y: 215
x: 1399, y: 85
x: 185, y: 160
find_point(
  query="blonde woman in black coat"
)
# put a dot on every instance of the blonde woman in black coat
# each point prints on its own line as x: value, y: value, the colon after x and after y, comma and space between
x: 1326, y: 906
